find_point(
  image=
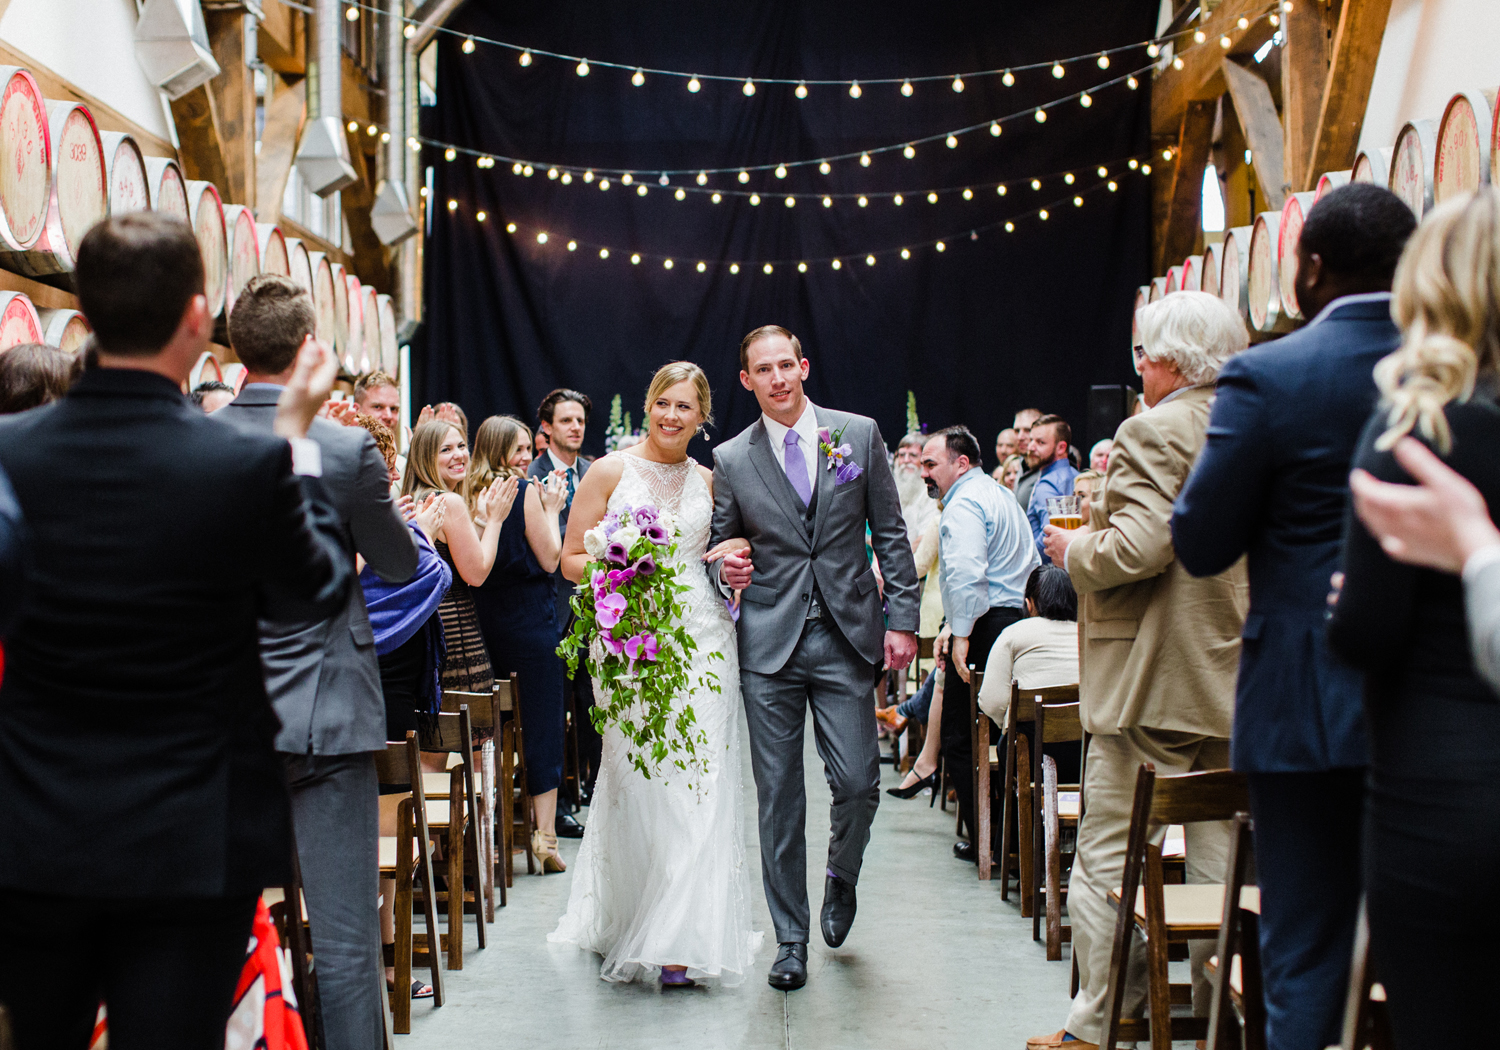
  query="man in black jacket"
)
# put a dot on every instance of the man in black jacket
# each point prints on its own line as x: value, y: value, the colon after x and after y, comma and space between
x: 145, y: 806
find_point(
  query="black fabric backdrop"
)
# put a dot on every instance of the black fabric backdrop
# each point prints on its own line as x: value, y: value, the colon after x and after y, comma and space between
x: 1006, y: 321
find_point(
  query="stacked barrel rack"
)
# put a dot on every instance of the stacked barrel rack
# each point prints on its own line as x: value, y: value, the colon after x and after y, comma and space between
x: 1254, y: 268
x: 64, y: 175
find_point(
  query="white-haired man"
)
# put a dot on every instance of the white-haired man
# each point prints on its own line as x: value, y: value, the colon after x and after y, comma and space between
x: 917, y: 506
x: 1158, y: 648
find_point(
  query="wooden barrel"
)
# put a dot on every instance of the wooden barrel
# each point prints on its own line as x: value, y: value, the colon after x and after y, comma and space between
x: 1373, y: 166
x: 390, y: 351
x: 1234, y: 270
x: 234, y: 375
x: 1158, y: 288
x: 207, y: 211
x: 354, y: 346
x: 125, y: 168
x: 1192, y: 273
x: 1174, y: 280
x: 1263, y: 279
x: 1213, y: 265
x: 1142, y: 297
x: 322, y: 294
x: 80, y: 192
x: 1330, y: 181
x: 26, y: 172
x: 168, y: 188
x: 65, y: 329
x: 273, y: 256
x: 205, y: 370
x: 299, y: 264
x: 369, y: 309
x: 19, y: 322
x: 1463, y: 148
x: 1293, y: 214
x: 1413, y: 165
x: 244, y: 250
x: 340, y: 307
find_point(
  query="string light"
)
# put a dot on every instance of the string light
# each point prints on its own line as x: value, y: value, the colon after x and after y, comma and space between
x: 995, y: 128
x: 572, y: 246
x: 1077, y: 202
x: 450, y: 153
x: 1243, y: 23
x: 1113, y: 185
x: 603, y: 185
x: 552, y: 173
x: 481, y: 216
x: 1085, y: 100
x: 372, y: 131
x: 781, y: 172
x: 1068, y: 178
x: 640, y: 191
x: 1145, y: 169
x: 1000, y: 189
x: 802, y: 267
x: 1041, y: 116
x: 767, y: 268
x: 898, y: 200
x: 1134, y: 163
x: 604, y: 253
x: 1008, y: 79
x: 854, y: 89
x: 791, y: 202
x: 582, y: 69
x: 755, y: 200
x: 958, y: 84
x: 409, y: 31
x: 1275, y: 20
x: 638, y: 77
x: 744, y: 176
x: 869, y: 260
x: 837, y: 264
x: 1199, y: 36
x: 1102, y: 170
x: 635, y: 260
x: 968, y: 194
x: 952, y: 141
x: 1152, y: 50
x: 468, y: 46
x: 681, y: 194
x: 353, y: 126
x: 525, y: 58
x: 734, y: 267
x: 666, y: 264
x: 749, y: 88
x: 827, y: 202
x: 909, y: 152
x: 385, y: 136
x: 825, y: 168
x: 906, y: 88
x: 702, y: 266
x: 864, y: 160
x: 1058, y: 71
x: 1103, y: 61
x: 1177, y: 63
x: 414, y: 144
x: 1042, y: 215
x: 1036, y: 184
x: 510, y: 227
x: 863, y: 201
x: 1010, y: 227
x: 452, y: 204
x: 541, y: 238
x: 627, y: 179
x: 717, y: 197
x: 1225, y: 42
x: 906, y: 253
x: 940, y: 246
x: 703, y: 178
x: 527, y: 171
x: 1132, y: 83
x: 588, y: 176
x: 801, y: 91
x: 567, y: 178
x: 694, y: 86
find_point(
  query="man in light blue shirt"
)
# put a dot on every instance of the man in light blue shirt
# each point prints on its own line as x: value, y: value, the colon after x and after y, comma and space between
x: 1051, y: 437
x: 987, y: 552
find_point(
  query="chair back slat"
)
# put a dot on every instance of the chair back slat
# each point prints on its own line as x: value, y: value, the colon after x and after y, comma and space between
x: 505, y: 694
x: 391, y: 766
x: 444, y: 732
x: 924, y: 648
x: 483, y: 712
x: 976, y: 684
x: 1058, y: 723
x: 1191, y: 798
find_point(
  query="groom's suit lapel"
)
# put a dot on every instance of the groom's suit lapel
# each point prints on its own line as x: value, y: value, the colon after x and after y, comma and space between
x: 774, y: 476
x: 825, y: 480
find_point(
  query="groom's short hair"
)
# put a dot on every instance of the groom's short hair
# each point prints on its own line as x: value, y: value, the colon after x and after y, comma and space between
x: 763, y: 332
x: 960, y: 441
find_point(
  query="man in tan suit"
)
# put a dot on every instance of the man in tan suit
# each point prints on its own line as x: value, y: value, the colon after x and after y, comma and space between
x: 1159, y: 650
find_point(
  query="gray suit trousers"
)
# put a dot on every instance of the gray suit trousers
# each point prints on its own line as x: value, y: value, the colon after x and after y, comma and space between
x: 826, y: 673
x: 336, y: 813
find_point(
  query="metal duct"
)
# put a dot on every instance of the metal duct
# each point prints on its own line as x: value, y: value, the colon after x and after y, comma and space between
x: 323, y: 156
x: 390, y: 215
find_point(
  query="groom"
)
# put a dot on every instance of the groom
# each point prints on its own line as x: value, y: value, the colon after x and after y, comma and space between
x: 811, y: 630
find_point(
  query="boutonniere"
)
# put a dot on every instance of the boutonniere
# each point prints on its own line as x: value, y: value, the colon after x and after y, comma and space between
x: 838, y: 455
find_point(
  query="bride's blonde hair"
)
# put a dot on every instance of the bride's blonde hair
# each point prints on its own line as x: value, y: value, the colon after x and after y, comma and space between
x: 1446, y: 299
x: 669, y: 375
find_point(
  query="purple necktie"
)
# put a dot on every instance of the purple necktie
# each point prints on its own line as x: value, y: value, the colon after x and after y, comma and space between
x: 796, y: 468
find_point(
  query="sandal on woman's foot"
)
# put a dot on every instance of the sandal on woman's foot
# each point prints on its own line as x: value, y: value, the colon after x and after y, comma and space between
x: 418, y: 989
x: 676, y: 979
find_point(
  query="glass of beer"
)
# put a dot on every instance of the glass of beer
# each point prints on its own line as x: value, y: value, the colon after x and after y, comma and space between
x: 1065, y: 512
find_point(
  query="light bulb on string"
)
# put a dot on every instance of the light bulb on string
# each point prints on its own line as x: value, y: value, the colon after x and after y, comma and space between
x: 1085, y: 100
x: 1041, y: 116
x: 1102, y: 61
x: 1177, y: 63
x: 837, y: 264
x: 1010, y: 227
x: 567, y: 178
x: 702, y: 179
x: 791, y: 202
x: 371, y: 130
x: 906, y: 253
x: 869, y: 260
x: 409, y: 31
x: 666, y: 264
x: 603, y: 184
x: 1225, y: 42
x: 1153, y: 49
x: 863, y: 201
x: 582, y: 69
x: 744, y: 176
x: 909, y: 152
x: 958, y: 84
x: 1199, y: 36
x: 898, y: 200
x: 1275, y: 20
x: 635, y: 260
x: 1132, y: 83
x: 510, y: 227
x: 385, y: 136
x: 527, y: 171
x: 717, y: 197
x: 515, y: 169
x: 854, y: 89
x: 1113, y: 185
x: 588, y: 176
x: 468, y: 46
x: 864, y: 160
x: 572, y: 246
x: 552, y: 173
x: 801, y: 89
x: 755, y: 200
x: 450, y: 154
x: 825, y: 167
x: 951, y: 142
x: 640, y: 191
x: 1145, y: 169
x: 1133, y: 164
x: 604, y: 253
x: 1102, y: 170
x: 702, y: 266
x: 1009, y: 79
x: 1000, y: 189
x: 940, y: 246
x: 481, y: 216
x: 525, y: 58
x: 1036, y: 184
x: 767, y: 268
x: 1166, y: 154
x: 638, y: 77
x: 932, y: 198
x: 1042, y: 215
x: 1068, y: 178
x: 353, y: 126
x: 802, y: 267
x: 663, y: 180
x: 1243, y: 23
x: 681, y: 193
x: 749, y: 88
x: 1077, y: 202
x: 968, y: 194
x: 627, y: 179
x: 827, y: 202
x: 414, y: 144
x: 906, y: 88
x: 693, y: 85
x: 734, y: 267
x: 781, y: 171
x: 1057, y: 70
x: 452, y: 204
x: 541, y: 238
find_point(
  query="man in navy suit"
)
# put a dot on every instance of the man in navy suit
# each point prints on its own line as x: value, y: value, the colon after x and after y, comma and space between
x: 1272, y: 483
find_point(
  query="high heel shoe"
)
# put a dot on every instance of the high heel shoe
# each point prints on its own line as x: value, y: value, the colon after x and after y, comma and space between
x: 929, y: 781
x: 544, y: 845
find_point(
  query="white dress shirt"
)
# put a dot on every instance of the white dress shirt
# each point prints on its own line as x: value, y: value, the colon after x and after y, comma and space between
x: 558, y: 464
x: 807, y: 434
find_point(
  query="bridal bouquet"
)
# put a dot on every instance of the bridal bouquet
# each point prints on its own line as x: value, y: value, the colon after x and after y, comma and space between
x: 629, y: 626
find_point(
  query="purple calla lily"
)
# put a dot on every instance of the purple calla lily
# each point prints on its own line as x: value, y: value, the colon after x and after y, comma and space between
x: 656, y: 534
x: 616, y: 553
x: 644, y: 567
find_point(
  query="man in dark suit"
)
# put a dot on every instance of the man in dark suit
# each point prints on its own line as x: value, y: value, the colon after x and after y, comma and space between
x: 323, y: 676
x: 563, y: 416
x: 1273, y: 483
x: 145, y: 806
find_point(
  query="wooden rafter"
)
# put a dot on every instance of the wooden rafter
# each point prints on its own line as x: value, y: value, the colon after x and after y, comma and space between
x: 201, y: 143
x: 286, y: 111
x: 1201, y: 78
x: 1180, y: 220
x: 1304, y: 72
x: 1351, y: 72
x: 1256, y: 111
x: 233, y: 93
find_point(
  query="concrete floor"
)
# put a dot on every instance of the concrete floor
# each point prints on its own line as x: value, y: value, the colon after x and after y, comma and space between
x: 936, y: 960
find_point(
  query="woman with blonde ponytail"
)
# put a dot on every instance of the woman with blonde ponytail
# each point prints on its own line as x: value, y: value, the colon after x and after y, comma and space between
x: 1432, y: 831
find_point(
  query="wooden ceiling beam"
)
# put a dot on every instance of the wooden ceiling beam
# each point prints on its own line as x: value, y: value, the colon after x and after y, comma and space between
x: 1351, y: 72
x: 233, y: 93
x: 429, y: 18
x: 201, y: 145
x: 1200, y: 78
x: 1304, y: 72
x: 286, y: 112
x: 1256, y: 111
x: 1179, y: 222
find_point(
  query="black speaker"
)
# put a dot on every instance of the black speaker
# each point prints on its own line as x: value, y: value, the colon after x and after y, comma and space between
x: 1109, y: 406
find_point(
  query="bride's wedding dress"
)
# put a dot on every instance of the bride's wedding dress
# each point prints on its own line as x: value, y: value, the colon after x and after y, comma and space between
x: 661, y: 878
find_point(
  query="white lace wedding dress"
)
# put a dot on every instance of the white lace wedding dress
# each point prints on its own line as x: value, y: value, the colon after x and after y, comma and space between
x: 661, y: 878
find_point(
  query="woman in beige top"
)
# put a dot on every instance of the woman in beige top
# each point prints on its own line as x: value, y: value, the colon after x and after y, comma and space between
x: 1040, y: 651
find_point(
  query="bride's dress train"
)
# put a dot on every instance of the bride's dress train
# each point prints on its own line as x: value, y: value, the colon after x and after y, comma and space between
x: 661, y: 878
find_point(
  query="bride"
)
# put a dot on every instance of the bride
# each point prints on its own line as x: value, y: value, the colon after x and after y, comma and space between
x: 660, y: 884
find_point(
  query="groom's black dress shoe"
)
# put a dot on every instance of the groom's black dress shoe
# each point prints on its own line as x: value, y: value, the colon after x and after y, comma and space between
x: 966, y: 851
x: 789, y: 971
x: 838, y: 910
x: 567, y: 828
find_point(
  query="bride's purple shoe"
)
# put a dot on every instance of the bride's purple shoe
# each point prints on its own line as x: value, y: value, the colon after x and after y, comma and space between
x: 677, y: 979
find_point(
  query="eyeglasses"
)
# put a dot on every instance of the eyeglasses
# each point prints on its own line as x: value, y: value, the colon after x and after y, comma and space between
x: 1138, y: 354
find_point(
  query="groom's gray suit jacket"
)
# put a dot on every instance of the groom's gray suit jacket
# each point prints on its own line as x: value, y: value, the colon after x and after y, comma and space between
x: 754, y: 499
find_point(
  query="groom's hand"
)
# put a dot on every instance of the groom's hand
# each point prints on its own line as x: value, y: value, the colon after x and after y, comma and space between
x: 900, y: 649
x: 738, y: 569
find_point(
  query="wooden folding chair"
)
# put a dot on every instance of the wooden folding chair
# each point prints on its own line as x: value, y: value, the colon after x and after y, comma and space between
x: 1055, y: 723
x: 452, y: 804
x: 1015, y: 848
x: 295, y: 933
x: 1237, y: 1014
x: 406, y: 858
x: 984, y: 767
x: 1165, y: 914
x: 484, y: 719
x: 1367, y: 1024
x: 516, y: 816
